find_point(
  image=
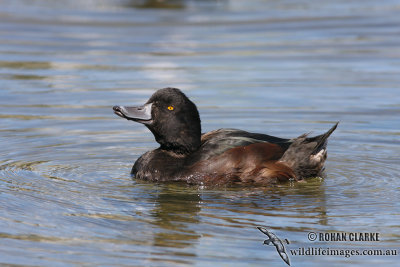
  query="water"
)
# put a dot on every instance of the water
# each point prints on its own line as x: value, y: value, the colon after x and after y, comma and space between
x: 277, y: 67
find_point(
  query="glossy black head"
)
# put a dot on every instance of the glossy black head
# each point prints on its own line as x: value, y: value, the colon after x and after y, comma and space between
x: 171, y: 117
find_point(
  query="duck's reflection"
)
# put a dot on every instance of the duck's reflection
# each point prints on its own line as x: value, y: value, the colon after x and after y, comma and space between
x: 166, y: 4
x: 176, y: 210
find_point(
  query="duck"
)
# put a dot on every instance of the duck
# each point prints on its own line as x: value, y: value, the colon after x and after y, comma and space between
x: 219, y: 157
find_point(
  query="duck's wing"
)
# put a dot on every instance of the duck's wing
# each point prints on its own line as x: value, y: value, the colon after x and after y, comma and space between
x: 230, y: 156
x: 218, y: 141
x: 241, y: 135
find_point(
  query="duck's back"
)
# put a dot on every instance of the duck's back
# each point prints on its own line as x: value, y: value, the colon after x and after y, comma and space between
x: 236, y: 156
x: 219, y: 141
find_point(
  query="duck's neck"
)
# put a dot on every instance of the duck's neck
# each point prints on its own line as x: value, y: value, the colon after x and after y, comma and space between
x: 184, y: 143
x: 180, y: 149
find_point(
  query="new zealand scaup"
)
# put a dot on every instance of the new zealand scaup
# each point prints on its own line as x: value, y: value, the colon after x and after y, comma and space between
x: 219, y: 157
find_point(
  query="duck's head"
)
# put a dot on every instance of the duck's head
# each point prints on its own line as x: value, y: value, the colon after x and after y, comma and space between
x: 171, y: 117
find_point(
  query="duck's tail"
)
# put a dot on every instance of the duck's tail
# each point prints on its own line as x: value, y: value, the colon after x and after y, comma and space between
x: 306, y: 155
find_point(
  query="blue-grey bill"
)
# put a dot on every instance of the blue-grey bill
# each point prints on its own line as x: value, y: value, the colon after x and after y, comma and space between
x: 141, y: 113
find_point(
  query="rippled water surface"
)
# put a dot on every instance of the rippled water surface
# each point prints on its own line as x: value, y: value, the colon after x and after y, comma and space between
x: 277, y: 67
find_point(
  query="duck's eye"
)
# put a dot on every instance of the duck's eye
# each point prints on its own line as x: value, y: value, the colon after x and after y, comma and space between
x: 170, y: 108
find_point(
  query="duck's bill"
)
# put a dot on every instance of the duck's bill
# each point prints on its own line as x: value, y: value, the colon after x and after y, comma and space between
x: 139, y: 114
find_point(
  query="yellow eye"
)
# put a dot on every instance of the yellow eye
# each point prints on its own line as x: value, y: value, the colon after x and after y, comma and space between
x: 170, y: 108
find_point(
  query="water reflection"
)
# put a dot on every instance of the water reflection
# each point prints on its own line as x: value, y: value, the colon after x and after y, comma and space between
x: 178, y: 210
x: 30, y: 65
x: 168, y: 4
x: 175, y: 211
